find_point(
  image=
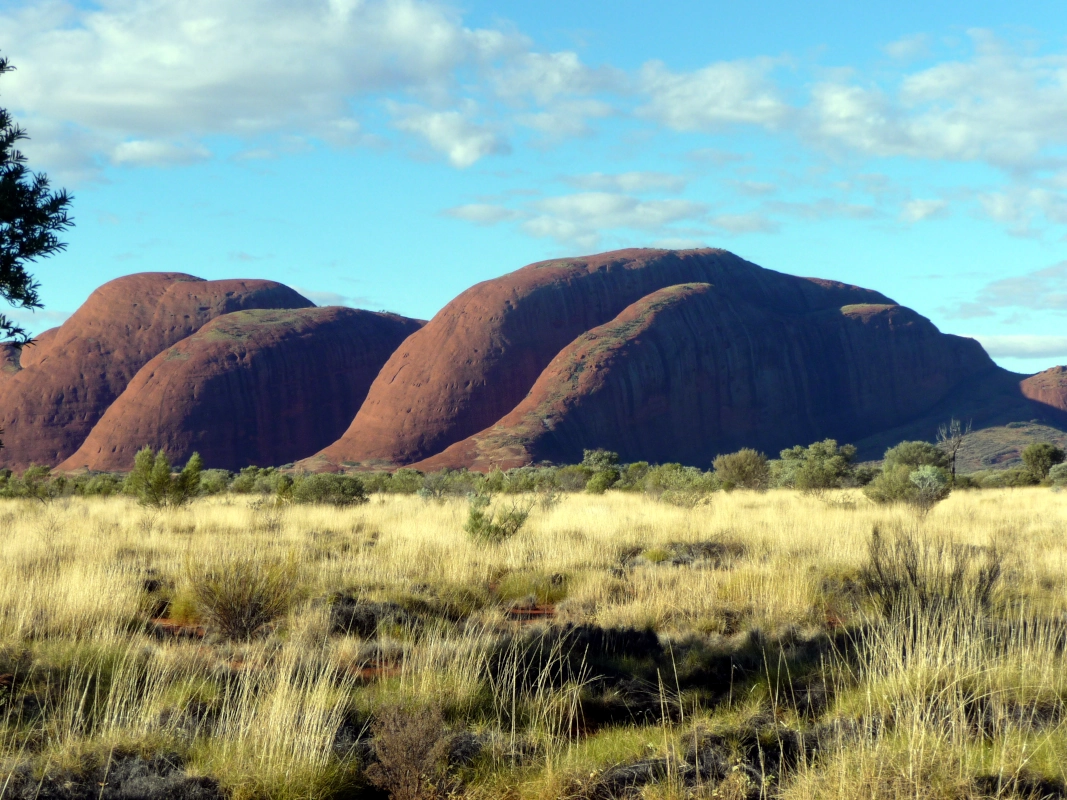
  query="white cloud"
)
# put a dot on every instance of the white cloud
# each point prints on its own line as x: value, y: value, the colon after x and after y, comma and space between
x: 745, y: 223
x: 918, y: 210
x: 607, y: 210
x: 999, y: 107
x: 325, y: 298
x: 1024, y: 346
x: 1021, y: 208
x: 628, y: 182
x: 547, y: 76
x: 724, y: 93
x: 1043, y: 289
x: 482, y: 213
x: 910, y: 47
x: 163, y: 73
x: 452, y: 133
x: 154, y: 153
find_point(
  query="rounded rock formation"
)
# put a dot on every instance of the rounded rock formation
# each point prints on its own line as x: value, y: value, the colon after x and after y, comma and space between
x: 692, y: 371
x: 48, y: 408
x: 262, y: 387
x: 36, y: 350
x: 1049, y: 388
x: 478, y: 357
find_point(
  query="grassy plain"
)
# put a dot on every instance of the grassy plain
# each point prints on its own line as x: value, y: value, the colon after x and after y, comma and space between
x: 782, y: 663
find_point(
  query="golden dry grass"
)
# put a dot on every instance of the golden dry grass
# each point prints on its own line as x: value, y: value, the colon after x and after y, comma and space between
x: 263, y: 716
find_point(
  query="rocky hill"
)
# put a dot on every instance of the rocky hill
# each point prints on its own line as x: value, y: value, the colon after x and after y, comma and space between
x: 262, y: 387
x: 659, y: 355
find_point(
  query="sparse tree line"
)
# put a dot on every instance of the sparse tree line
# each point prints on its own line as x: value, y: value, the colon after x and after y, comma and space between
x: 917, y: 473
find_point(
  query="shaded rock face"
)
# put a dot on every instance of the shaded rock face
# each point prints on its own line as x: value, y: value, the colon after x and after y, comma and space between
x: 1049, y: 388
x: 477, y: 358
x: 49, y: 407
x: 262, y: 387
x: 695, y: 370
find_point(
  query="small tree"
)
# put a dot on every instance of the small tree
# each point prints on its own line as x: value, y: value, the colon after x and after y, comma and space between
x: 30, y: 218
x: 1040, y: 457
x: 950, y: 437
x: 745, y: 469
x: 815, y: 468
x: 151, y: 481
x: 604, y: 465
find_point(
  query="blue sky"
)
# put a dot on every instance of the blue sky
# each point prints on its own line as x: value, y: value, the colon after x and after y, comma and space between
x: 388, y: 155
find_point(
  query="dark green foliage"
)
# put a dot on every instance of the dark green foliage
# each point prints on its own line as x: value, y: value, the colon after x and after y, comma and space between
x: 30, y: 217
x: 258, y: 480
x: 745, y: 469
x: 605, y: 470
x: 37, y: 483
x: 326, y: 488
x: 495, y: 526
x: 815, y: 468
x: 915, y: 455
x: 1039, y: 458
x: 151, y: 481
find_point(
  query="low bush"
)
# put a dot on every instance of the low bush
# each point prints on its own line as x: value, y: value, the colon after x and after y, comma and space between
x: 745, y: 469
x: 921, y: 487
x: 215, y: 481
x: 325, y: 488
x: 1057, y: 475
x: 257, y: 480
x: 243, y: 595
x: 495, y: 526
x: 604, y: 466
x: 908, y: 573
x: 1039, y: 458
x: 411, y: 749
x: 686, y: 487
x: 915, y: 455
x: 815, y: 468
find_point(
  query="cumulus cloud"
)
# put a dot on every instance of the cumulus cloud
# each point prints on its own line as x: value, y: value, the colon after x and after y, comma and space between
x: 138, y: 79
x: 1024, y: 346
x: 999, y: 106
x: 452, y: 133
x: 325, y: 298
x: 918, y: 210
x: 745, y: 223
x: 628, y: 182
x: 1043, y: 289
x: 482, y: 213
x: 910, y: 47
x: 720, y: 94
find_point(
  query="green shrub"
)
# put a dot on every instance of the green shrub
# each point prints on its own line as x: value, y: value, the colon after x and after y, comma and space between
x: 495, y: 526
x: 1005, y: 478
x: 679, y: 485
x: 573, y: 477
x: 326, y: 488
x: 1058, y: 475
x: 215, y: 481
x: 101, y: 484
x: 921, y: 487
x: 745, y: 469
x: 258, y: 480
x: 815, y: 468
x: 242, y: 595
x: 604, y: 466
x: 633, y: 476
x: 152, y: 483
x: 37, y: 483
x: 915, y: 455
x: 1039, y: 458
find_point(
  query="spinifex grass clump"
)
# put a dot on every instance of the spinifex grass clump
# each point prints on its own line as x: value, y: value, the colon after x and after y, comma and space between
x: 241, y: 595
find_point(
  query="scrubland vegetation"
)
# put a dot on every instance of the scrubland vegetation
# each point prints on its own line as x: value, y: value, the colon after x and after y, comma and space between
x: 670, y: 642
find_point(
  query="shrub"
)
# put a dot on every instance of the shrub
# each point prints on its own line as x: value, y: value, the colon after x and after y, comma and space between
x: 1058, y: 475
x: 921, y: 487
x: 924, y: 575
x: 1039, y: 458
x: 215, y: 481
x: 258, y: 480
x: 103, y: 484
x: 410, y: 747
x: 326, y: 488
x: 37, y: 483
x: 242, y: 595
x: 602, y: 481
x: 915, y: 455
x: 678, y: 485
x: 1005, y: 478
x: 815, y: 468
x: 152, y: 483
x: 604, y: 465
x: 745, y: 469
x: 498, y: 526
